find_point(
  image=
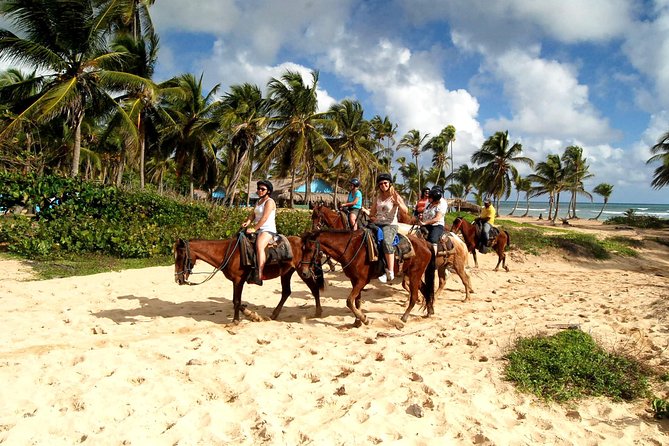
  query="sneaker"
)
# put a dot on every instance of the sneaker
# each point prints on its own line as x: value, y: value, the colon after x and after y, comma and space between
x: 390, y: 276
x: 383, y: 279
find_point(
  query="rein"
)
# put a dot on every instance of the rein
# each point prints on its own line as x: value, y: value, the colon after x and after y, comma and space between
x: 350, y: 239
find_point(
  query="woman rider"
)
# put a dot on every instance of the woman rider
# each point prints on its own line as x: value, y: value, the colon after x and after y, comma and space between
x: 433, y: 221
x: 264, y: 222
x: 384, y: 214
x: 353, y: 203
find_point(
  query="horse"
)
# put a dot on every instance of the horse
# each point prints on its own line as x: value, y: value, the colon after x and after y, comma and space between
x: 322, y: 216
x: 225, y: 255
x: 350, y: 250
x: 499, y: 243
x: 454, y: 260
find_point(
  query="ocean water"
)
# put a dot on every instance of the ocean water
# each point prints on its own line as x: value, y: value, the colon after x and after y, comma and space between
x: 584, y: 210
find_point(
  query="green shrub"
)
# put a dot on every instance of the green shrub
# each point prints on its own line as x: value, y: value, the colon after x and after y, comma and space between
x: 75, y: 217
x: 570, y: 365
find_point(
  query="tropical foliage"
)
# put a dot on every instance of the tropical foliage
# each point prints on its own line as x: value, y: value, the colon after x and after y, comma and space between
x: 87, y: 106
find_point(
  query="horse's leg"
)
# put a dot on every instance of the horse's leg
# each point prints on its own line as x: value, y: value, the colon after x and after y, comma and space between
x: 353, y: 300
x: 316, y: 292
x: 460, y: 270
x: 442, y: 273
x: 476, y: 262
x: 237, y: 288
x: 285, y: 292
x: 415, y: 272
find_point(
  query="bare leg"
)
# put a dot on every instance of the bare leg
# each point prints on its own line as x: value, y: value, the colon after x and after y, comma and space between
x: 261, y: 243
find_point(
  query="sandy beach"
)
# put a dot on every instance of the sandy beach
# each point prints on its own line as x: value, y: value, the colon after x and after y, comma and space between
x: 130, y: 357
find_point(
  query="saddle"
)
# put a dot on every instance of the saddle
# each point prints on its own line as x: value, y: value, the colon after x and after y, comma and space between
x: 445, y: 245
x: 492, y: 234
x: 278, y: 250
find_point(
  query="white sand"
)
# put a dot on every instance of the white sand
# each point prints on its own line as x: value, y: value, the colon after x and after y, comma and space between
x: 132, y: 358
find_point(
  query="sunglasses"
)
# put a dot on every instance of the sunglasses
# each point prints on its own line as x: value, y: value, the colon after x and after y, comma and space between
x: 262, y: 189
x: 384, y: 183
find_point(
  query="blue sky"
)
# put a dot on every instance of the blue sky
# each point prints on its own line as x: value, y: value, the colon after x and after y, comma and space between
x: 554, y: 73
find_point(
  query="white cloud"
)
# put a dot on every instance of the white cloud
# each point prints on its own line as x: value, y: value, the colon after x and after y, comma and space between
x: 647, y: 47
x: 546, y: 99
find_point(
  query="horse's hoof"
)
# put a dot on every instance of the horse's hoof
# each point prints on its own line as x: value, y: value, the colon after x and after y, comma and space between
x: 319, y: 313
x: 357, y: 323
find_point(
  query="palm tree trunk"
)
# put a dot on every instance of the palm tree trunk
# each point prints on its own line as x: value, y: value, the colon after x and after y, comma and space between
x: 601, y: 210
x: 292, y: 188
x: 248, y: 186
x: 142, y: 149
x: 515, y: 205
x: 192, y: 168
x: 557, y: 207
x: 76, y: 149
x: 527, y: 208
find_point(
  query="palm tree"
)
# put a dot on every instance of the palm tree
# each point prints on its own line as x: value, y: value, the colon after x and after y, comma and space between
x: 497, y: 159
x: 449, y: 135
x: 353, y: 145
x: 605, y: 190
x: 439, y: 146
x: 550, y: 176
x: 382, y: 131
x: 245, y: 118
x: 71, y: 47
x: 661, y: 155
x: 465, y: 176
x: 414, y: 141
x: 525, y: 185
x: 410, y: 173
x: 193, y: 130
x: 576, y: 171
x: 295, y: 140
x: 521, y: 184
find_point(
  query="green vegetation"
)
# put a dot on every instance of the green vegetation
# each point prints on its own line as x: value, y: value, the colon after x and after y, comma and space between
x: 638, y: 221
x: 570, y: 365
x: 80, y: 223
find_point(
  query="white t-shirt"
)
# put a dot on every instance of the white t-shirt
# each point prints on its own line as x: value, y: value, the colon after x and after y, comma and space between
x: 431, y: 211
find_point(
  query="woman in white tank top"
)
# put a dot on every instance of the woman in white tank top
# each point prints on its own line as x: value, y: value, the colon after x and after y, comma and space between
x: 264, y: 221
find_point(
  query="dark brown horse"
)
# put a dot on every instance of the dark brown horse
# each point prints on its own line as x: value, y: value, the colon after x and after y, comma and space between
x: 499, y: 243
x: 224, y: 255
x: 350, y: 250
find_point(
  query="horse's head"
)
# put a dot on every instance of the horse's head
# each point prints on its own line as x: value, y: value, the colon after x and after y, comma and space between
x: 310, y: 265
x: 457, y: 223
x: 317, y: 216
x: 183, y: 263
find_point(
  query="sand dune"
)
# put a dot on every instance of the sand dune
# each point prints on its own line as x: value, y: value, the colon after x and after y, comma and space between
x: 132, y: 358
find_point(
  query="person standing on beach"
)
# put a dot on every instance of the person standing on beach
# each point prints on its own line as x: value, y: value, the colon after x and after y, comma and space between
x: 487, y: 220
x: 264, y: 222
x: 353, y: 203
x: 384, y: 213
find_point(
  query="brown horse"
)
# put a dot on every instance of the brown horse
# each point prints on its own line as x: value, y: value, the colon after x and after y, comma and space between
x: 324, y: 217
x: 499, y: 243
x: 454, y: 260
x: 224, y: 255
x: 350, y: 250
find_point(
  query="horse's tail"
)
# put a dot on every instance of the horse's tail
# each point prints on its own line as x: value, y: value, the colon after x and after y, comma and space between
x: 427, y: 287
x: 508, y: 239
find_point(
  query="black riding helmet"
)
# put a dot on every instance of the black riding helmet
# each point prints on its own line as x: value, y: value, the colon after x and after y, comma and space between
x: 267, y: 184
x: 384, y: 177
x: 425, y: 190
x: 436, y: 193
x: 355, y: 182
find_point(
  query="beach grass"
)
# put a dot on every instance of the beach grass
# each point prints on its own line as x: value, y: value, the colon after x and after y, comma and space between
x: 570, y: 365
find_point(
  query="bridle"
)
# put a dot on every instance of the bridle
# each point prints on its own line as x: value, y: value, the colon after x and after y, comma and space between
x: 188, y: 263
x: 314, y: 264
